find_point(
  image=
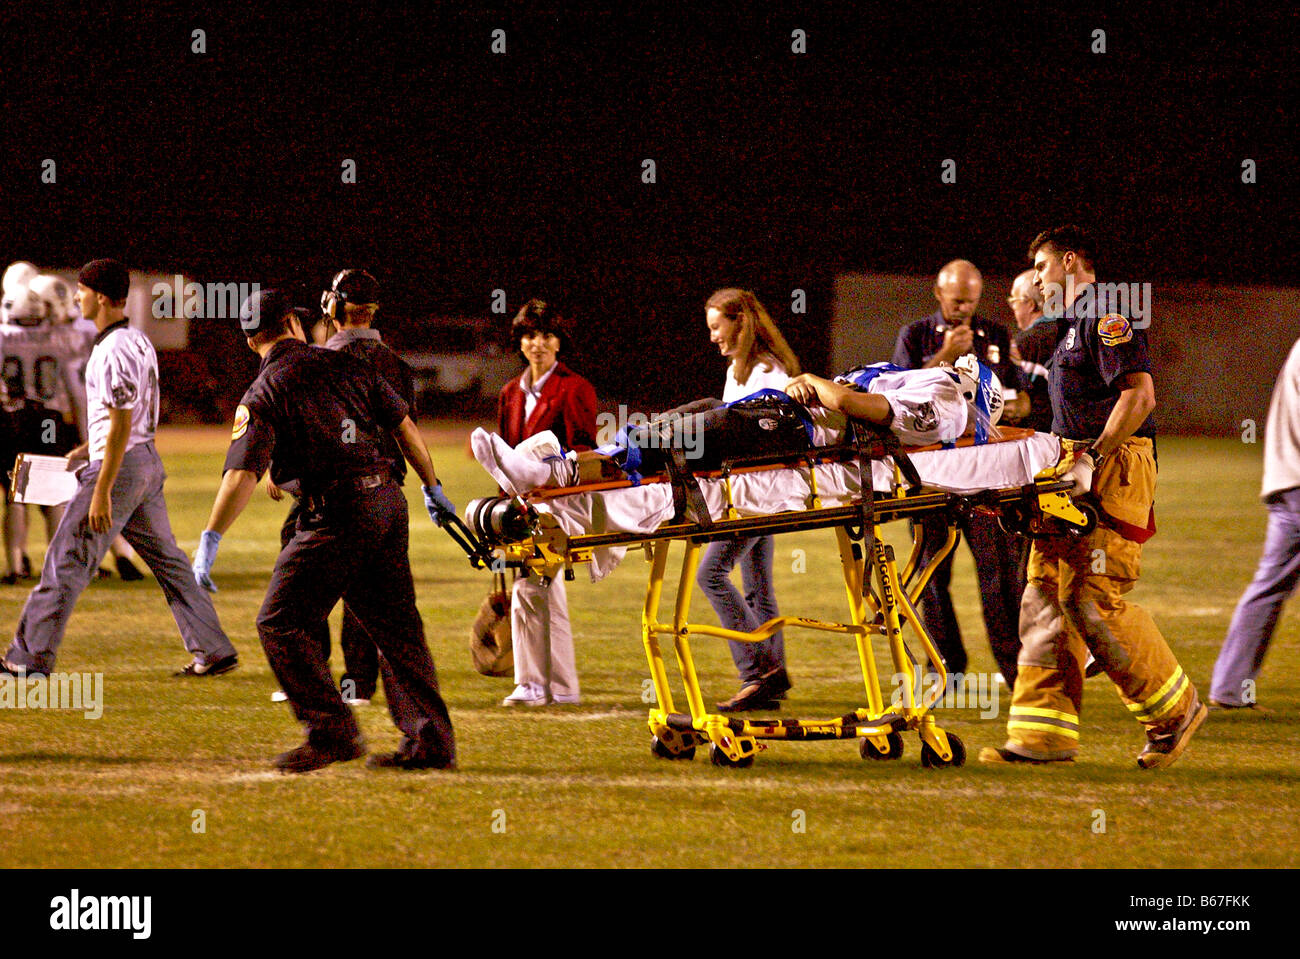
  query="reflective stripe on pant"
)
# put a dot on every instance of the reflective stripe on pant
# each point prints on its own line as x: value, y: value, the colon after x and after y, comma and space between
x: 1074, y: 602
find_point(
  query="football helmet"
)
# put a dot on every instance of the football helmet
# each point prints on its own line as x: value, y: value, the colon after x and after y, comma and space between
x: 55, y: 294
x: 18, y: 275
x: 980, y: 387
x: 22, y: 307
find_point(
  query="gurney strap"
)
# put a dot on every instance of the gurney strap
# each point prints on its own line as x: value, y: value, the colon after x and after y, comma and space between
x: 866, y: 503
x: 904, y: 462
x: 688, y: 499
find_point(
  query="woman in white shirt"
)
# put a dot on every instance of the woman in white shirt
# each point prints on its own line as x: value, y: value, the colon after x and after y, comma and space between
x: 760, y: 359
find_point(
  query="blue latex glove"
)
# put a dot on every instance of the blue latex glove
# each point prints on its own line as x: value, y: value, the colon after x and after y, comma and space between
x: 204, y: 557
x: 440, y: 508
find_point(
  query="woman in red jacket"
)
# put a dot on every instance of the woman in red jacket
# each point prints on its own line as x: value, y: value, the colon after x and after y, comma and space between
x: 548, y: 396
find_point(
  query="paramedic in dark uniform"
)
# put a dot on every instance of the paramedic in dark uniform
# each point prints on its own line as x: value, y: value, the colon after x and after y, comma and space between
x: 948, y: 333
x: 324, y: 414
x: 1102, y: 400
x: 349, y: 308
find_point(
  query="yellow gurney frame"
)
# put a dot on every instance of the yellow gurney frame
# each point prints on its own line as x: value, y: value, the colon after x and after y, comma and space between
x: 881, y: 600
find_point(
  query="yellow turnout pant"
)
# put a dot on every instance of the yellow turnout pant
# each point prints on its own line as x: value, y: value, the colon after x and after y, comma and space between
x: 1074, y: 602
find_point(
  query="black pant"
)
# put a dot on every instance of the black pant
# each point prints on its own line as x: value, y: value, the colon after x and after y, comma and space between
x: 1001, y: 581
x: 360, y: 658
x: 709, y: 432
x: 355, y: 548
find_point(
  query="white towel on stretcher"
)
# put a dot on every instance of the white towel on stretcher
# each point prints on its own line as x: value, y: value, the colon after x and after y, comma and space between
x: 643, y: 509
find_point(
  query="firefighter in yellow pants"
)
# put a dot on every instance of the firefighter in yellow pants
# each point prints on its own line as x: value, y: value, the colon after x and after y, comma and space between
x: 1074, y: 602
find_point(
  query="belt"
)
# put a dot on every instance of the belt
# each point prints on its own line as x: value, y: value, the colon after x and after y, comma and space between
x: 340, y: 491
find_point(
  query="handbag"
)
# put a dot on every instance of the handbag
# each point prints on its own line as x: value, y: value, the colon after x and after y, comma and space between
x: 489, y: 640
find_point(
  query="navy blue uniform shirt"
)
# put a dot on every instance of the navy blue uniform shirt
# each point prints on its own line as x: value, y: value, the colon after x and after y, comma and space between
x: 991, y: 344
x: 322, y: 413
x: 1098, y: 347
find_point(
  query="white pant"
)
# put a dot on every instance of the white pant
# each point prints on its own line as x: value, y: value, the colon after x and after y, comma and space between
x: 540, y: 634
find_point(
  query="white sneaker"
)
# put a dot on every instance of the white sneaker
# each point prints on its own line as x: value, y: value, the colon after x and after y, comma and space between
x: 520, y: 473
x: 566, y: 699
x: 279, y: 696
x: 480, y: 442
x: 514, y: 473
x: 540, y: 445
x: 528, y: 694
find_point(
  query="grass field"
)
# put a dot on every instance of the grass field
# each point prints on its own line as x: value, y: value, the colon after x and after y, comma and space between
x: 577, y: 786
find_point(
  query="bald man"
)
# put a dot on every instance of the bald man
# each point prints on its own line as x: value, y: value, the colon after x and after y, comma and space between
x: 942, y: 337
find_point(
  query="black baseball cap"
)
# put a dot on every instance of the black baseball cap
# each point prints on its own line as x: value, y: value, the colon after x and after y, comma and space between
x: 263, y: 307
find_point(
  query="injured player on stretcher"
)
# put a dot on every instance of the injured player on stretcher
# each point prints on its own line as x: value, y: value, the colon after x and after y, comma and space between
x: 922, y: 407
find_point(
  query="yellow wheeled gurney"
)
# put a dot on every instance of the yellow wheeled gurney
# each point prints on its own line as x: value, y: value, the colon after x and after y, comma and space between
x: 550, y: 531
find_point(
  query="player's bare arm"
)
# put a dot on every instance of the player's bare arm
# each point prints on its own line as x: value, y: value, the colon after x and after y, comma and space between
x: 810, y: 389
x: 1137, y: 399
x: 100, y: 517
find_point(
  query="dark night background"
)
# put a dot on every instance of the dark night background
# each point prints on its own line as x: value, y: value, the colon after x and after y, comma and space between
x: 775, y: 170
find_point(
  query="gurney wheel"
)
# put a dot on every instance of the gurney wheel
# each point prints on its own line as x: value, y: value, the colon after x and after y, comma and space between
x: 930, y: 759
x: 719, y: 758
x: 659, y: 748
x: 869, y: 750
x: 1090, y: 514
x: 1015, y: 518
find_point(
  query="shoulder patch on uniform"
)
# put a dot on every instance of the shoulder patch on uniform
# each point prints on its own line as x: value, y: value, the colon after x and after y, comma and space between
x: 123, y: 395
x: 1114, y: 329
x: 241, y: 422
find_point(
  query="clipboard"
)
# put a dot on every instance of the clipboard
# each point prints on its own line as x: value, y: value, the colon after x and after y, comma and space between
x: 41, y: 480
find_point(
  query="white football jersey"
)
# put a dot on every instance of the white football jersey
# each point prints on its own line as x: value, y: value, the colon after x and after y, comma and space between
x: 927, y: 404
x: 79, y: 337
x: 37, y: 365
x: 122, y: 374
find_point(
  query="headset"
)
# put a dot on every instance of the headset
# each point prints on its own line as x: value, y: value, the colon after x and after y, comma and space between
x: 333, y: 297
